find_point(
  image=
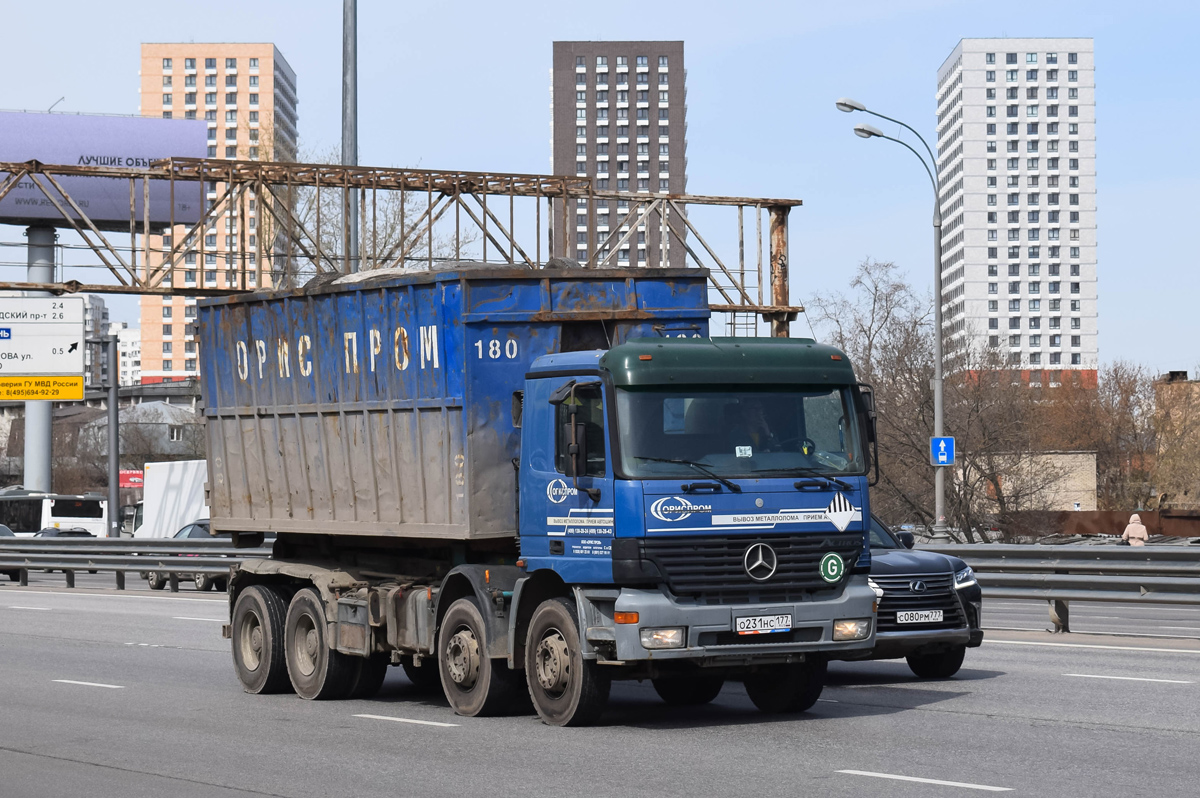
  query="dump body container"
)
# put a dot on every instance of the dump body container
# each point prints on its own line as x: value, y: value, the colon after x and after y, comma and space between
x: 388, y: 406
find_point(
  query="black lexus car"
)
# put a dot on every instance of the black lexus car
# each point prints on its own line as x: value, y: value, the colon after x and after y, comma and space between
x: 929, y: 612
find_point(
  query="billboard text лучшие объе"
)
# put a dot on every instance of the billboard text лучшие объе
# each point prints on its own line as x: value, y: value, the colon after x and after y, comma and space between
x: 130, y: 142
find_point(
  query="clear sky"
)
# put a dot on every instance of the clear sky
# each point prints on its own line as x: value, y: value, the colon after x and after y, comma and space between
x: 464, y: 85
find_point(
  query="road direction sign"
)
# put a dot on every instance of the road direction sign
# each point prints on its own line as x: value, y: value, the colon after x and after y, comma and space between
x: 941, y: 451
x: 41, y: 348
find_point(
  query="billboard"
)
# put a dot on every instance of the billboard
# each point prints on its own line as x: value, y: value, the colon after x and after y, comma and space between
x: 94, y: 140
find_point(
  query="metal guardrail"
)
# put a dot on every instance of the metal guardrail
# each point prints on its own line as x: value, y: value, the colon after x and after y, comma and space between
x: 1059, y: 575
x: 120, y: 556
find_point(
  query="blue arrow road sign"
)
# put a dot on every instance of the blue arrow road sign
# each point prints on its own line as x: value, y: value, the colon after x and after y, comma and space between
x: 941, y: 451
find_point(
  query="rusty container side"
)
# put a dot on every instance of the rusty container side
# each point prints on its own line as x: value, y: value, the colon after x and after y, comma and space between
x: 384, y: 407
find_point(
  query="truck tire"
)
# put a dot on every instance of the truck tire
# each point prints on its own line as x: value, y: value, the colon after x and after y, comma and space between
x: 371, y: 671
x: 567, y: 690
x: 474, y: 684
x: 156, y: 581
x: 317, y: 672
x: 937, y: 666
x: 688, y: 691
x: 257, y: 625
x: 787, y: 688
x: 425, y: 678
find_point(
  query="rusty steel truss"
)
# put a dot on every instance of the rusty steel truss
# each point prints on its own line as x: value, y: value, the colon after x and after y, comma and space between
x: 410, y: 218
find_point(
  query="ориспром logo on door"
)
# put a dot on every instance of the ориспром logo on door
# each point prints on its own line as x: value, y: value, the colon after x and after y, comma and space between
x: 557, y: 491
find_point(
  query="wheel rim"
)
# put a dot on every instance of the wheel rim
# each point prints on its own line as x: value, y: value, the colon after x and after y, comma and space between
x: 306, y: 645
x: 462, y: 658
x: 250, y: 641
x: 552, y: 663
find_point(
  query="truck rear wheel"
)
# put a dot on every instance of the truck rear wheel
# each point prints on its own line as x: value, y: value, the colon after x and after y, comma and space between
x: 937, y: 666
x: 257, y: 625
x: 425, y: 678
x: 787, y: 688
x: 317, y: 672
x: 567, y: 690
x: 371, y: 671
x: 474, y: 684
x: 688, y: 691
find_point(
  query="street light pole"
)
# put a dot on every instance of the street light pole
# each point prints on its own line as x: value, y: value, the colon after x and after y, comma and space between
x: 866, y: 131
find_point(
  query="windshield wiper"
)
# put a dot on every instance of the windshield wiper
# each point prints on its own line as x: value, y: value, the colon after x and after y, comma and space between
x: 733, y: 486
x: 806, y: 472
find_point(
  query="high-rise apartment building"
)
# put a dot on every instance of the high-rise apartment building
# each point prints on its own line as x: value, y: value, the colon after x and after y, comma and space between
x: 129, y: 355
x: 618, y: 115
x: 247, y: 95
x: 1016, y: 125
x: 95, y: 356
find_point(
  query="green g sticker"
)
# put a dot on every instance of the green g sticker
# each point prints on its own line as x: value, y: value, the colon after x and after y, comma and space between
x: 832, y: 567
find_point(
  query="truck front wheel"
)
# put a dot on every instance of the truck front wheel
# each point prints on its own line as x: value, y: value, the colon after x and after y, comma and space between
x: 474, y: 684
x: 317, y: 671
x: 567, y: 690
x: 688, y: 691
x: 787, y: 688
x: 258, y: 658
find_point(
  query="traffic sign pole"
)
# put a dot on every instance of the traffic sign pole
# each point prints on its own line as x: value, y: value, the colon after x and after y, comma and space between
x: 39, y: 415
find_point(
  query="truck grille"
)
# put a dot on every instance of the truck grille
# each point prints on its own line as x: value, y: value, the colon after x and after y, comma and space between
x: 711, y: 570
x: 897, y: 597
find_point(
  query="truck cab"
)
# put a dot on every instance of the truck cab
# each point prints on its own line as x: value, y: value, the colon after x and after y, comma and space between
x: 708, y: 495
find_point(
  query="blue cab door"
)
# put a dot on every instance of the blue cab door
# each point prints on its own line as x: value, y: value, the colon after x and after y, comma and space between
x: 563, y: 527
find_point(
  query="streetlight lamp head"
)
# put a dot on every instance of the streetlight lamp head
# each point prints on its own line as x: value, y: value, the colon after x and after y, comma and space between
x: 867, y: 132
x: 848, y: 105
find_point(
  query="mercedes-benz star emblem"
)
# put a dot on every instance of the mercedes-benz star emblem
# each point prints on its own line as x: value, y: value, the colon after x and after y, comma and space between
x: 760, y: 562
x: 917, y: 586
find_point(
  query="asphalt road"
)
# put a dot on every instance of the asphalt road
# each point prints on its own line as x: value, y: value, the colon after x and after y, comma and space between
x: 107, y: 694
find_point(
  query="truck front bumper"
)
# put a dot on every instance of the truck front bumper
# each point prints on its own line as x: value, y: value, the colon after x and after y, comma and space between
x: 709, y: 631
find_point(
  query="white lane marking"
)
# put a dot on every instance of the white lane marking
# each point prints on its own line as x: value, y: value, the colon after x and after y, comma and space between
x: 1088, y: 645
x: 1189, y: 628
x: 406, y: 720
x: 894, y: 777
x: 1127, y: 678
x: 1014, y: 629
x: 41, y: 609
x: 90, y: 684
x: 186, y: 618
x: 829, y: 700
x: 115, y: 595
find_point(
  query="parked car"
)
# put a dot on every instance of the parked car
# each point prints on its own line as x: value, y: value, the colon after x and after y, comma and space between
x: 197, y: 530
x: 930, y: 608
x: 5, y: 532
x: 64, y: 532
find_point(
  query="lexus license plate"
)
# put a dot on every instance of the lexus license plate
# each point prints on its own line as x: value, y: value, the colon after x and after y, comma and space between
x: 923, y: 616
x: 763, y: 624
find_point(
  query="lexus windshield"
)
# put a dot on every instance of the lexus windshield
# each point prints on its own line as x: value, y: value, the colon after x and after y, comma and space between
x: 738, y: 432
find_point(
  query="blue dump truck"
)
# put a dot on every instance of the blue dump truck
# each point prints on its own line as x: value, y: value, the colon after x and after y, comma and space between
x: 523, y: 484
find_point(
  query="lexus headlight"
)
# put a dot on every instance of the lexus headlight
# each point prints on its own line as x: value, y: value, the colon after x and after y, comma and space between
x: 964, y: 578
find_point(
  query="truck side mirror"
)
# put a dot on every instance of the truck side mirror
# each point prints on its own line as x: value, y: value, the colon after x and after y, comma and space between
x: 575, y: 463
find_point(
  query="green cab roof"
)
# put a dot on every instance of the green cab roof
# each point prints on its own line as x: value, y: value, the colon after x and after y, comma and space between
x: 744, y: 361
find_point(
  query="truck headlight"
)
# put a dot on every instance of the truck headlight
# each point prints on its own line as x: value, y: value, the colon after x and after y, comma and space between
x: 964, y: 578
x: 856, y: 629
x: 662, y: 638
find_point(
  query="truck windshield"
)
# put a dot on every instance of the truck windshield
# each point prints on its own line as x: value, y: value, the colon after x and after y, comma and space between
x: 738, y: 432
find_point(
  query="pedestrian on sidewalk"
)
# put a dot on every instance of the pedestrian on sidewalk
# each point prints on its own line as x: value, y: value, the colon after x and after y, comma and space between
x: 1135, y: 532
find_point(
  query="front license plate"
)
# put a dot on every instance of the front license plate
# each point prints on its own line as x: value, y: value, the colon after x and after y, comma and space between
x: 763, y: 624
x: 924, y: 616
